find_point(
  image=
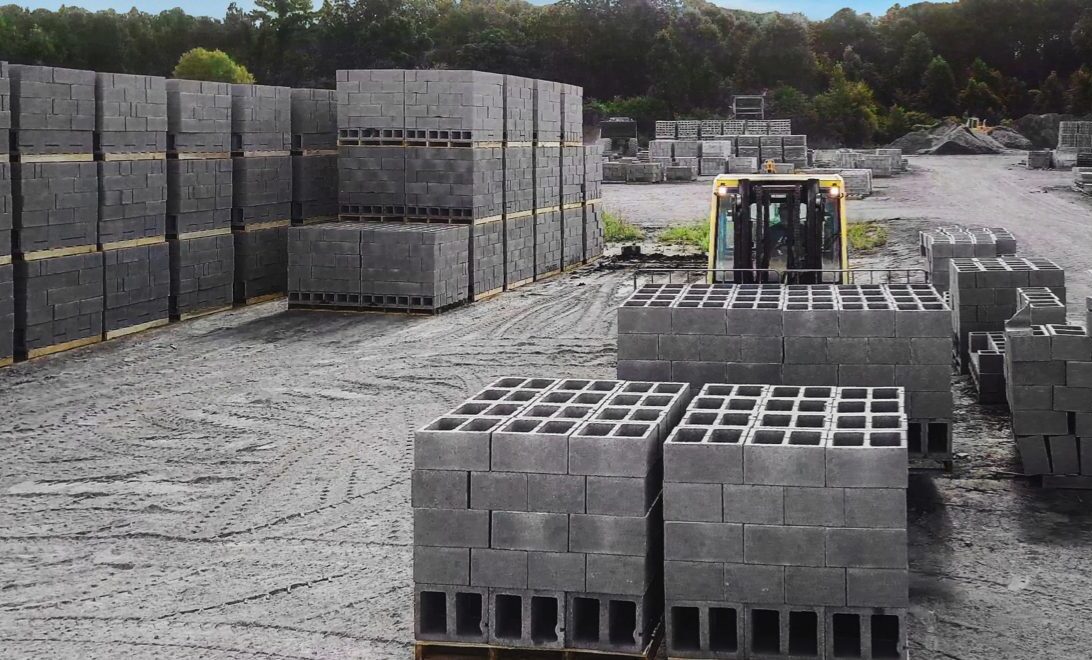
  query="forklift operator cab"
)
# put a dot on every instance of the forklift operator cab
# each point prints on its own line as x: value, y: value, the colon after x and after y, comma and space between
x: 777, y: 222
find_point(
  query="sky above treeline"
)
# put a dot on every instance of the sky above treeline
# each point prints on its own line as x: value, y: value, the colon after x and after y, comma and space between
x: 815, y: 9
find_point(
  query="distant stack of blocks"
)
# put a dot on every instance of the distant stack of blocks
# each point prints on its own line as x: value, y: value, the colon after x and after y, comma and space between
x: 984, y: 294
x: 785, y: 524
x: 261, y: 135
x: 199, y: 197
x: 314, y: 156
x: 942, y: 244
x: 7, y: 275
x: 537, y: 515
x: 848, y: 336
x: 55, y: 235
x: 741, y: 154
x: 131, y: 140
x: 500, y: 156
x: 1048, y: 373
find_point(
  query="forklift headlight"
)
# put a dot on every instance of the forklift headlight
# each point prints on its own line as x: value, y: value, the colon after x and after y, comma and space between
x: 835, y: 192
x: 722, y: 191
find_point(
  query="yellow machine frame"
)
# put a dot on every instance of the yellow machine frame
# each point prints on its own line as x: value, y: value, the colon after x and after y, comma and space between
x: 827, y: 182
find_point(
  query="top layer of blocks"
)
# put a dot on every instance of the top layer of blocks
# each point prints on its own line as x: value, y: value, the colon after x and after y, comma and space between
x: 50, y: 98
x: 197, y: 106
x: 261, y: 117
x: 130, y: 103
x: 314, y: 118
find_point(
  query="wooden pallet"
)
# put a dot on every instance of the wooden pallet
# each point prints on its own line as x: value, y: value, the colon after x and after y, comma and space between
x: 136, y: 242
x: 221, y: 231
x: 456, y: 651
x: 6, y: 362
x: 133, y: 329
x: 487, y: 295
x: 257, y: 300
x: 136, y: 155
x: 186, y: 316
x: 66, y: 346
x: 52, y: 158
x: 198, y: 155
x: 59, y: 252
x: 521, y: 283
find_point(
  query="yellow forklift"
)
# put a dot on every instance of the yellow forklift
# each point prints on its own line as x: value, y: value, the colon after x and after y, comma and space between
x: 778, y: 227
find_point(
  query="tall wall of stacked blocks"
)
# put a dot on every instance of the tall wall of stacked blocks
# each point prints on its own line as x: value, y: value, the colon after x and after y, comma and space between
x: 455, y: 185
x: 131, y: 201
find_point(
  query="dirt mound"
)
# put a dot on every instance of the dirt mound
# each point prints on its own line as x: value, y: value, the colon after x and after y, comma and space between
x: 1041, y: 130
x: 1011, y: 139
x: 947, y: 139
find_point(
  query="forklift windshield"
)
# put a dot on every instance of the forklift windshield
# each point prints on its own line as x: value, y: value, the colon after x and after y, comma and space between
x: 777, y: 226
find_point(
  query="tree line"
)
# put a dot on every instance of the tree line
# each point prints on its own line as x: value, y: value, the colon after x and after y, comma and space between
x: 853, y: 77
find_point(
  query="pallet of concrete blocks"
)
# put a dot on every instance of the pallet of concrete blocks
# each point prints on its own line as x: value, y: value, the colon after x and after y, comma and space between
x: 785, y: 524
x: 454, y: 184
x: 1048, y: 372
x: 1073, y: 135
x: 711, y: 128
x: 137, y: 289
x: 371, y: 183
x: 453, y: 108
x: 199, y: 196
x: 749, y: 146
x: 396, y: 267
x: 52, y: 111
x: 1082, y: 179
x: 686, y: 149
x: 983, y: 293
x: 314, y: 120
x: 742, y: 165
x: 735, y: 127
x: 5, y: 212
x: 537, y: 516
x: 202, y: 274
x: 131, y: 115
x: 132, y: 202
x: 261, y: 188
x: 852, y: 335
x: 198, y: 118
x: 680, y: 172
x: 261, y: 119
x: 987, y: 366
x: 712, y: 166
x: 940, y: 245
x: 882, y: 166
x: 780, y: 127
x: 261, y: 263
x: 572, y: 115
x: 665, y: 130
x: 770, y: 148
x: 757, y: 127
x: 55, y: 206
x: 7, y: 314
x: 58, y: 304
x: 314, y: 188
x: 688, y: 130
x: 5, y: 109
x: 594, y: 230
x: 661, y: 149
x: 371, y: 107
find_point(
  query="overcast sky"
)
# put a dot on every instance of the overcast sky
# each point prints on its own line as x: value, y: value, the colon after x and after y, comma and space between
x: 813, y: 8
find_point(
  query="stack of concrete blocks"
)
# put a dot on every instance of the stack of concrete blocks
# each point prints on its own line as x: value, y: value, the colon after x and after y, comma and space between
x: 1041, y: 159
x: 795, y: 149
x: 199, y: 197
x: 1048, y: 372
x: 711, y: 128
x: 662, y: 152
x: 678, y: 173
x: 572, y: 176
x: 984, y: 297
x: 858, y: 182
x: 735, y: 126
x: 314, y: 156
x: 58, y: 285
x: 687, y: 154
x: 547, y: 171
x: 519, y: 181
x: 757, y: 127
x: 687, y: 130
x: 614, y: 172
x: 849, y: 336
x: 987, y: 366
x: 537, y: 515
x: 261, y: 136
x: 714, y: 156
x: 770, y: 148
x: 131, y: 138
x: 742, y: 165
x: 7, y: 282
x: 1075, y: 136
x: 785, y: 524
x: 410, y: 267
x: 942, y: 244
x: 749, y: 146
x: 665, y: 130
x: 1082, y: 179
x: 780, y: 127
x: 594, y: 228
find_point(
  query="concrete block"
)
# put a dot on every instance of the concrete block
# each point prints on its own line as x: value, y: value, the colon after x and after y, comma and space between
x: 875, y: 508
x: 529, y: 531
x: 865, y: 548
x: 455, y: 443
x: 556, y: 571
x: 684, y: 580
x: 611, y: 535
x: 701, y: 455
x: 438, y: 489
x: 754, y: 583
x: 763, y: 505
x: 810, y: 585
x: 441, y: 565
x: 692, y: 502
x: 784, y: 457
x: 622, y: 496
x: 498, y: 568
x: 866, y: 460
x: 451, y: 528
x: 555, y: 493
x: 620, y: 574
x: 820, y: 507
x: 715, y: 542
x: 783, y: 546
x: 498, y: 490
x: 877, y: 587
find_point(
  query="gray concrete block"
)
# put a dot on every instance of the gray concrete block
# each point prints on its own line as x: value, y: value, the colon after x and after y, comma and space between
x: 875, y: 507
x: 764, y: 505
x: 754, y: 583
x: 783, y: 546
x: 622, y: 496
x: 529, y: 531
x: 810, y: 585
x: 454, y: 443
x: 498, y: 568
x: 451, y: 528
x: 702, y: 455
x: 433, y: 565
x: 866, y: 548
x: 556, y: 493
x: 556, y: 571
x: 498, y: 490
x: 692, y: 502
x: 877, y: 587
x: 784, y: 457
x: 611, y: 535
x: 715, y: 542
x: 820, y: 507
x: 620, y: 574
x: 693, y: 580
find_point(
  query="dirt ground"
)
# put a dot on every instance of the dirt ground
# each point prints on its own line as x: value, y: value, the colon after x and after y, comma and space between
x: 238, y: 486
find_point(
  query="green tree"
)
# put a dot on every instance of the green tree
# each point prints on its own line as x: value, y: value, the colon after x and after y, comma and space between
x: 1081, y: 35
x: 779, y: 54
x: 848, y: 109
x: 1051, y: 96
x: 1079, y: 97
x: 214, y: 65
x: 979, y: 101
x: 939, y: 90
x: 916, y: 57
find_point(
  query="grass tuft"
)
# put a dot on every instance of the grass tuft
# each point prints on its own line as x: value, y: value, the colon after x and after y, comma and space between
x: 617, y: 229
x: 866, y: 236
x: 694, y: 234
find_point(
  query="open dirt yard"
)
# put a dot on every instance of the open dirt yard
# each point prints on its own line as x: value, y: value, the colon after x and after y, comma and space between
x: 238, y: 486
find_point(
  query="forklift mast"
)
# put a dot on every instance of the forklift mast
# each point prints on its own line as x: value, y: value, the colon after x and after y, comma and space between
x: 758, y: 234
